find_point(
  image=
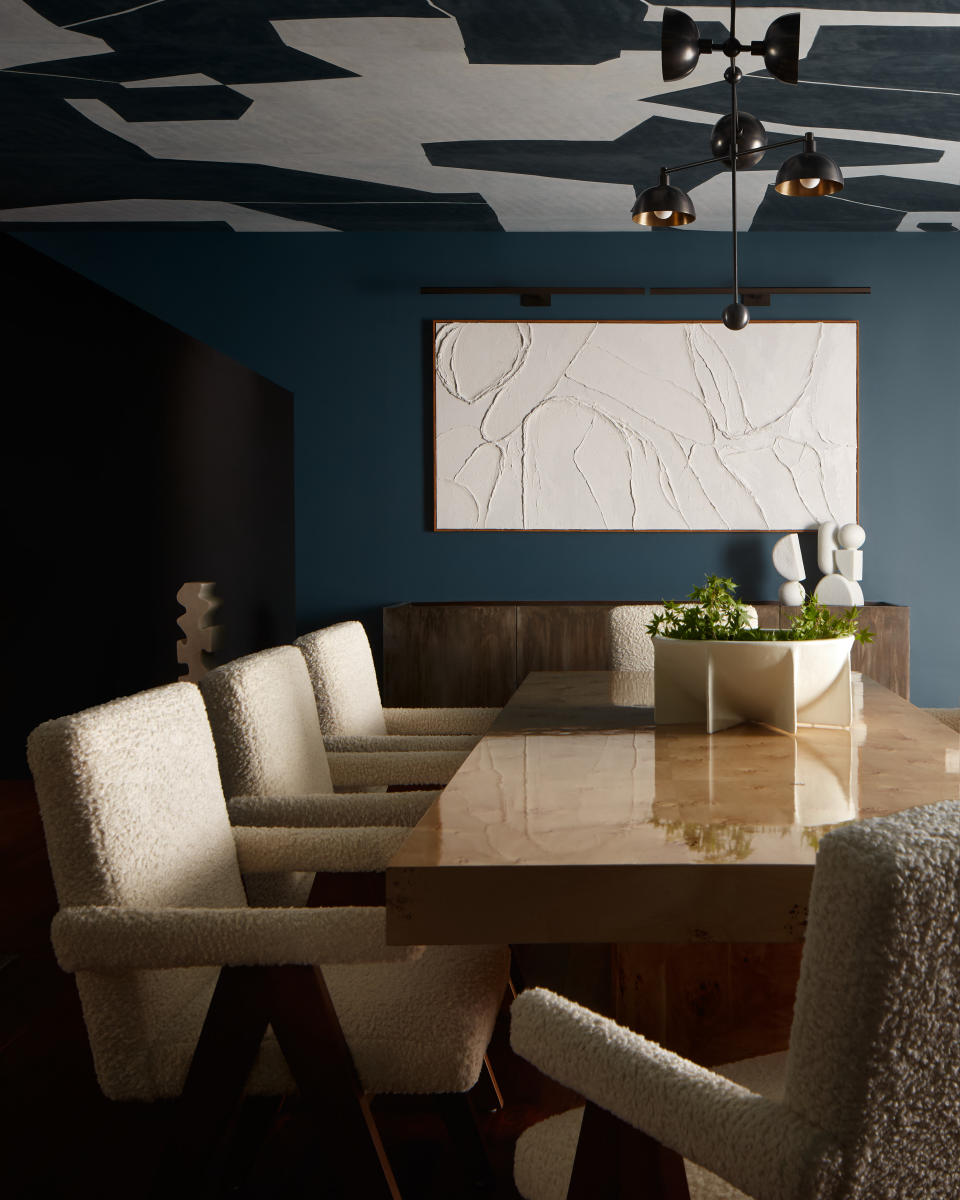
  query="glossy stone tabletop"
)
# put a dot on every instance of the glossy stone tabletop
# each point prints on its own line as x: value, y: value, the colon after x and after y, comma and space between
x: 575, y: 819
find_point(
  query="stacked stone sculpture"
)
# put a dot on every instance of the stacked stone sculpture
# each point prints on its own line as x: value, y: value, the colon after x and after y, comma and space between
x: 789, y: 563
x: 196, y: 649
x: 841, y: 561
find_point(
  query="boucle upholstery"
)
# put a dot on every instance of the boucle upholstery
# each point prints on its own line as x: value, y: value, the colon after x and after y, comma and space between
x: 543, y: 1163
x: 412, y: 1029
x: 299, y: 849
x: 343, y: 809
x: 703, y: 1116
x: 949, y: 716
x: 395, y: 742
x: 543, y: 1160
x: 357, y: 769
x: 871, y: 1102
x: 439, y: 720
x: 264, y: 723
x: 107, y: 938
x: 875, y: 1044
x: 267, y: 732
x: 348, y: 696
x: 134, y: 817
x: 631, y: 647
x: 137, y: 829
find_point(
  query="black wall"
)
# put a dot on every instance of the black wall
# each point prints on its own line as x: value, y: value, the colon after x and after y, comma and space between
x: 134, y: 458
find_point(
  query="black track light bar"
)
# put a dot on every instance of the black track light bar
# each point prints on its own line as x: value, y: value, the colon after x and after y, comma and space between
x: 539, y: 297
x: 759, y: 297
x: 533, y: 297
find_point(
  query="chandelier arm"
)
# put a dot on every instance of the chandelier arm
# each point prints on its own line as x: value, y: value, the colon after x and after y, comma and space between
x: 703, y: 162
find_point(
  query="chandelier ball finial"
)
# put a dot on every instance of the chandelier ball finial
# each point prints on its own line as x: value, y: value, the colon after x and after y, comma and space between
x: 736, y: 316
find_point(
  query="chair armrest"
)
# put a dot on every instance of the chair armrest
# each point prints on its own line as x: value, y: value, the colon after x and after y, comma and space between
x: 948, y: 716
x: 358, y: 768
x: 126, y: 939
x: 278, y: 849
x: 439, y: 720
x: 758, y: 1145
x: 397, y: 742
x: 349, y: 809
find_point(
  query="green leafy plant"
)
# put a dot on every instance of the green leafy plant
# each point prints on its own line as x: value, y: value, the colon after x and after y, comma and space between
x: 715, y: 614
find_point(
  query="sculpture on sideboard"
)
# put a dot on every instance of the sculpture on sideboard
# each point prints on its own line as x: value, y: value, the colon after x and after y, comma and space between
x: 789, y: 563
x: 841, y: 560
x: 195, y: 650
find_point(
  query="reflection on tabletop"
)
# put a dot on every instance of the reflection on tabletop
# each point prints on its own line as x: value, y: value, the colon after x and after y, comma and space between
x: 631, y: 793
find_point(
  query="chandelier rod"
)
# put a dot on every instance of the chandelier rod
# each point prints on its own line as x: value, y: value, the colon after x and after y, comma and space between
x: 733, y: 165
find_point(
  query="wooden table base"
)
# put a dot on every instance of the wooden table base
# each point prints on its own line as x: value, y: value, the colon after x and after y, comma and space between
x: 712, y: 1003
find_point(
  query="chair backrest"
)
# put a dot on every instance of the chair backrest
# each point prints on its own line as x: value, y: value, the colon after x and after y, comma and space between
x: 265, y: 724
x: 344, y: 679
x: 134, y: 816
x: 875, y: 1046
x: 631, y: 647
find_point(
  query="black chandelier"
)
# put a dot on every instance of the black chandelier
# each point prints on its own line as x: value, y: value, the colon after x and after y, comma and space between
x: 805, y: 174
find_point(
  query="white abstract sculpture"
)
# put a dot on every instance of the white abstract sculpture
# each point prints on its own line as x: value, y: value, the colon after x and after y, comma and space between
x: 789, y: 563
x: 841, y: 560
x: 784, y: 684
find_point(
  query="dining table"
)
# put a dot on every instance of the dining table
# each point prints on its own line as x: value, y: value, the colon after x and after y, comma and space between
x: 680, y: 862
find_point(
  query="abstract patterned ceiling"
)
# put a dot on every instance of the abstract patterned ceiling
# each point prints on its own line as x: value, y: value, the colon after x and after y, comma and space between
x: 435, y: 115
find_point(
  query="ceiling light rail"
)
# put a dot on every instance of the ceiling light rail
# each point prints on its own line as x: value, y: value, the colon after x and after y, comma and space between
x: 533, y: 297
x: 540, y: 297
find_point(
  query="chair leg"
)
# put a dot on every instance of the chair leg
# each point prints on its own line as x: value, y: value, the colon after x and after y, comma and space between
x: 295, y: 1001
x: 308, y: 1031
x: 461, y: 1123
x: 485, y: 1093
x: 232, y: 1032
x: 614, y: 1159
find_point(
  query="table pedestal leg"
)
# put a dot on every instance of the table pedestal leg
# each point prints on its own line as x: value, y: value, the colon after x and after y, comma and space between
x: 712, y: 1002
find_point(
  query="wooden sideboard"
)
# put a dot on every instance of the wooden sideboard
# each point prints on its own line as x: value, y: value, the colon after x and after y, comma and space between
x: 479, y: 653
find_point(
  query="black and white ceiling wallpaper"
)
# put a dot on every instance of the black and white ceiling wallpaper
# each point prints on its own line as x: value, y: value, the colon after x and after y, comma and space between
x: 515, y: 115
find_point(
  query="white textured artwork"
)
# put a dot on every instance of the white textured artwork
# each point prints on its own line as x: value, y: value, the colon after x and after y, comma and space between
x: 627, y: 425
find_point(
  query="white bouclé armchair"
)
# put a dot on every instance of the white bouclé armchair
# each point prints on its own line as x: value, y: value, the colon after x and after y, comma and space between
x: 631, y: 647
x: 866, y: 1104
x: 946, y: 716
x: 270, y: 744
x: 276, y: 771
x: 152, y: 907
x: 348, y: 700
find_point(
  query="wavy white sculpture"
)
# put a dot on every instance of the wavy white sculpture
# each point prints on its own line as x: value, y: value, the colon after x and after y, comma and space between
x: 784, y: 684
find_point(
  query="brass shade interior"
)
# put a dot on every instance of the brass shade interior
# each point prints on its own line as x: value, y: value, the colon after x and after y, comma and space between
x: 809, y: 165
x: 675, y: 218
x: 663, y: 199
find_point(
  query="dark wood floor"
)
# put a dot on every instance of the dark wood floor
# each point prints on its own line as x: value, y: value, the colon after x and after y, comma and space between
x: 63, y: 1138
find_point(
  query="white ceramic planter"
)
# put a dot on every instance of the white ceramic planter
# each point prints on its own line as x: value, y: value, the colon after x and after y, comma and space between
x: 784, y: 684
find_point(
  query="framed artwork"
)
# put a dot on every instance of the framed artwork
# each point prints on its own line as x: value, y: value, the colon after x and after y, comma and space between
x: 645, y: 425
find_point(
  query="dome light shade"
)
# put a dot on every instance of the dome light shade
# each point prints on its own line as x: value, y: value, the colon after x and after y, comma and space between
x: 680, y: 46
x: 781, y: 48
x: 663, y: 206
x: 809, y: 173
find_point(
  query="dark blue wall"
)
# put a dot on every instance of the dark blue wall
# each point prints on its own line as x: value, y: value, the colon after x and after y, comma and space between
x: 339, y: 320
